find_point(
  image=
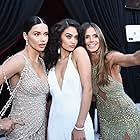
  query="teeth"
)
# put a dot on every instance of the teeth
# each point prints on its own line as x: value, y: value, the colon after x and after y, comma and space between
x: 93, y: 45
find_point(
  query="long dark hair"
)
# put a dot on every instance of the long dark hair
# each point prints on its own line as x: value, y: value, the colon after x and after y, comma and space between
x: 102, y: 71
x: 31, y: 22
x: 51, y: 52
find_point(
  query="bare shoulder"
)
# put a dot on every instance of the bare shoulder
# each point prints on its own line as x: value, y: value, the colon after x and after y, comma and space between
x: 110, y: 54
x: 80, y: 48
x: 16, y: 61
x: 81, y: 57
x: 113, y: 55
x: 80, y: 51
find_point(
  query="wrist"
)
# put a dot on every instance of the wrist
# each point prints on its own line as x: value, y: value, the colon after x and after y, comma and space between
x: 79, y: 128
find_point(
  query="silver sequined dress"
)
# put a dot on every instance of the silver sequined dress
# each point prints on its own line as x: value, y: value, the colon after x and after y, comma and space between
x: 118, y: 114
x: 29, y: 105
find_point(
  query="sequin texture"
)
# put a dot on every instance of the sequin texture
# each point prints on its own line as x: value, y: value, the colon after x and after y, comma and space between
x: 118, y: 113
x: 29, y: 106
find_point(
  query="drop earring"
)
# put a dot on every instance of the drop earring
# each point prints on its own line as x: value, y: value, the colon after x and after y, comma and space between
x: 27, y: 43
x: 59, y: 51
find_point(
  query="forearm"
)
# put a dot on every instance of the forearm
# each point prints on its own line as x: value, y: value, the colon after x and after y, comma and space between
x: 137, y: 57
x: 84, y: 108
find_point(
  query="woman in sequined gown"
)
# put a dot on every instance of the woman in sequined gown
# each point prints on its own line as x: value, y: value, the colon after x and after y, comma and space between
x: 119, y: 118
x: 28, y: 83
x: 70, y: 84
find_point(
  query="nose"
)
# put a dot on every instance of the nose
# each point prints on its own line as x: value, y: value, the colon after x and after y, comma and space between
x: 91, y: 39
x: 74, y: 40
x: 43, y: 38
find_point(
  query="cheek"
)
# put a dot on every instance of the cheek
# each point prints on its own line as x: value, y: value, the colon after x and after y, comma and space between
x: 86, y: 42
x: 87, y: 47
x: 47, y: 40
x: 64, y: 43
x: 33, y: 40
x: 76, y: 42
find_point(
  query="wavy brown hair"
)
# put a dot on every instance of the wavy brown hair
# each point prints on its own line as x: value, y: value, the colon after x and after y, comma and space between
x: 102, y: 71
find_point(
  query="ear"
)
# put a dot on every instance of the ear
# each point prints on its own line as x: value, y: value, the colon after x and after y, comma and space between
x: 25, y: 36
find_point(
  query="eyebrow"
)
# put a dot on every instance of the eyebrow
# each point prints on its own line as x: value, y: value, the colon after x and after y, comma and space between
x: 71, y: 34
x: 91, y: 34
x: 39, y: 32
x: 68, y: 33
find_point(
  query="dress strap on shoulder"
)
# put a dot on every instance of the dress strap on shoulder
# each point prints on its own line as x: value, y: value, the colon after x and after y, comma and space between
x: 14, y: 56
x: 22, y: 55
x: 3, y: 71
x: 70, y: 55
x: 12, y: 94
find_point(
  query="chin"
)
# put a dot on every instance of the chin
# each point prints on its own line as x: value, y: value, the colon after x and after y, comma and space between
x: 41, y: 50
x: 93, y: 50
x: 71, y: 49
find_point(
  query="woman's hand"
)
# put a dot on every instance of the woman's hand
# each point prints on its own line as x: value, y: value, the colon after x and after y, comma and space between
x: 8, y: 124
x: 78, y: 134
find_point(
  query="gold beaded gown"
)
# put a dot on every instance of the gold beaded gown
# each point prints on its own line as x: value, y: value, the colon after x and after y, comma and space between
x: 118, y: 114
x: 29, y: 105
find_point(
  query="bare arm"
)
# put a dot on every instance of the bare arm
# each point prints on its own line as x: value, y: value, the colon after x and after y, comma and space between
x: 11, y: 67
x: 84, y: 69
x: 124, y: 60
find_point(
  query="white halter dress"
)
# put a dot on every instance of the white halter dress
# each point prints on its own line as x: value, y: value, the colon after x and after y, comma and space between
x: 66, y: 105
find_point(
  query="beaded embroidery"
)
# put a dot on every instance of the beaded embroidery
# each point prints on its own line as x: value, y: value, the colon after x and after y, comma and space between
x: 8, y: 103
x: 118, y: 114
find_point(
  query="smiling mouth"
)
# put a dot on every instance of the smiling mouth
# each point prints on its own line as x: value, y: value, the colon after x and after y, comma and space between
x: 92, y: 45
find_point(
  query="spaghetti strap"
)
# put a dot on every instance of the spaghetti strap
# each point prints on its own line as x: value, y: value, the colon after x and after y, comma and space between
x: 5, y: 78
x: 23, y: 56
x: 70, y: 55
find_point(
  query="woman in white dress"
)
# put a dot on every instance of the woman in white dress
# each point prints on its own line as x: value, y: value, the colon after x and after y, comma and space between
x: 70, y: 84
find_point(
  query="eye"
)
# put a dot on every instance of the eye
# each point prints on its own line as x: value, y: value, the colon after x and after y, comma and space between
x: 95, y: 35
x: 87, y: 36
x: 46, y: 34
x: 68, y: 36
x: 36, y: 34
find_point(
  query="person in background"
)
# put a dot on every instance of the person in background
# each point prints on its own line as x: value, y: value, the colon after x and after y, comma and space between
x: 26, y: 77
x: 119, y: 118
x: 70, y: 84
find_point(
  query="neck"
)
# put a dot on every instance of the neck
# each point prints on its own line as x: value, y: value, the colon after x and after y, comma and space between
x: 64, y: 54
x: 32, y: 55
x: 94, y: 58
